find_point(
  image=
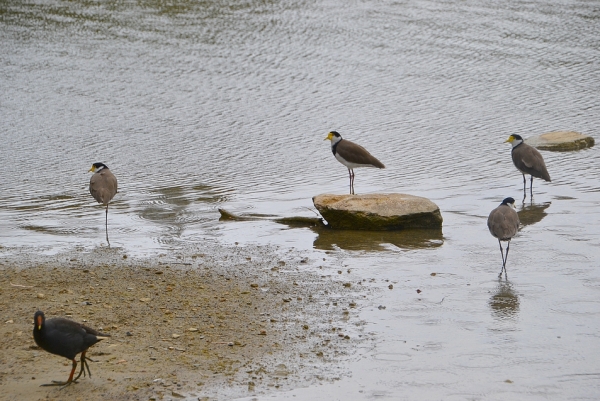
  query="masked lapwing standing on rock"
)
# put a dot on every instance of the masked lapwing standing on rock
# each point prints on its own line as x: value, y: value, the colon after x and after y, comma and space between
x: 503, y: 223
x: 103, y: 187
x: 351, y: 155
x: 527, y: 160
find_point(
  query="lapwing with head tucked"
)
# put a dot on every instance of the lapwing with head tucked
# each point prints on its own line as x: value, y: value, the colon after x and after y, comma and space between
x: 66, y: 338
x: 103, y: 187
x: 528, y: 160
x: 351, y: 155
x: 503, y: 223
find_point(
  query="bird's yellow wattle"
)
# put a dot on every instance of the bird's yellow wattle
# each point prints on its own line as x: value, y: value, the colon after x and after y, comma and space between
x: 329, y: 136
x: 93, y: 169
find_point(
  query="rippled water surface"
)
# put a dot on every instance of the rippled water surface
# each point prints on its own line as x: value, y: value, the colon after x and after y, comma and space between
x: 197, y: 106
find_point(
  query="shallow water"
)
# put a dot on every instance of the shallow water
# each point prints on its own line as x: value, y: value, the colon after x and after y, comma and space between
x: 197, y: 106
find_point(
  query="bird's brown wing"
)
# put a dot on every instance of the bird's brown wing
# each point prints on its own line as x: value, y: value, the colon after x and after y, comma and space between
x: 357, y: 154
x: 530, y: 161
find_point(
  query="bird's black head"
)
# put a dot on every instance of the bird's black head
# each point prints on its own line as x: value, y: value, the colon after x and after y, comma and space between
x: 517, y: 137
x: 336, y: 134
x: 508, y: 201
x: 38, y: 320
x: 97, y: 167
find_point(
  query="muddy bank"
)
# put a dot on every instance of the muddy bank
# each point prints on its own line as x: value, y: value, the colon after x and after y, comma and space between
x: 213, y: 324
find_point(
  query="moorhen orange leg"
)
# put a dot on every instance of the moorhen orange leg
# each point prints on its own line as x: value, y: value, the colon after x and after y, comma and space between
x: 68, y: 382
x: 84, y: 365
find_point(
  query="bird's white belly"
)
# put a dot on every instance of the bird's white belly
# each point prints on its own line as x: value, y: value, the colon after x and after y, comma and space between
x: 350, y: 164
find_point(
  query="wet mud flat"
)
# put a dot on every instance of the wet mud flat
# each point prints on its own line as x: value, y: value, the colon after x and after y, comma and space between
x: 216, y: 323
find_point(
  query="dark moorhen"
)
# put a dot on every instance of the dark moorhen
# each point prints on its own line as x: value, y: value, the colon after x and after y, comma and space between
x: 65, y: 338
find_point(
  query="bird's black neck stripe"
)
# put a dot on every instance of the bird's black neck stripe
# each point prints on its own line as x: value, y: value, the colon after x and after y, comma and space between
x: 514, y: 147
x: 334, y: 146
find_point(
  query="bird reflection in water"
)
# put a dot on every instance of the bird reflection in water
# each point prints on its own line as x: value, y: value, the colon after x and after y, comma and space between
x: 505, y: 301
x: 533, y: 213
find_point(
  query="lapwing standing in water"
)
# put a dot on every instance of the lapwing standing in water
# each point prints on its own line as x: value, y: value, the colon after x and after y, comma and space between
x: 503, y: 223
x: 527, y: 160
x: 66, y: 338
x: 351, y: 155
x: 103, y: 187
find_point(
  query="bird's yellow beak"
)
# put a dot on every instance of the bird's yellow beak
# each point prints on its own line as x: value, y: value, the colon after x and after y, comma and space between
x: 329, y: 136
x: 93, y: 169
x: 510, y: 139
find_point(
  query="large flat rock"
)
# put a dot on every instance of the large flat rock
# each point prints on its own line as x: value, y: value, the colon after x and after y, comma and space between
x: 378, y: 211
x: 561, y: 141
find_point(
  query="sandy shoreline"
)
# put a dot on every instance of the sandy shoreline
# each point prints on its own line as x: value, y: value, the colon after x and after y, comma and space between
x: 217, y: 324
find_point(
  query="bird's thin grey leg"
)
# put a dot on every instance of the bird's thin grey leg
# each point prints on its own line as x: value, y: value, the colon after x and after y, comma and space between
x: 506, y: 258
x: 503, y: 260
x: 106, y: 225
x: 350, y: 181
x: 524, y: 187
x: 531, y: 186
x: 351, y: 175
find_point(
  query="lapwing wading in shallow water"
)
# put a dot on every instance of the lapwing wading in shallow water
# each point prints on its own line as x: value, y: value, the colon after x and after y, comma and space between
x: 351, y: 155
x: 503, y: 223
x: 103, y: 187
x: 528, y: 160
x: 66, y: 338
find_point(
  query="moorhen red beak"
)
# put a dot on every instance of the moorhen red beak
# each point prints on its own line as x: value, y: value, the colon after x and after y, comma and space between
x: 65, y: 338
